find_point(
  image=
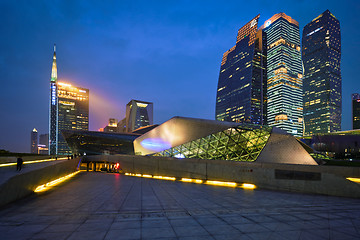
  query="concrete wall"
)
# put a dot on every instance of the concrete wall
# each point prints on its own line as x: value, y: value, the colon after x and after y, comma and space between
x: 328, y: 180
x: 24, y: 184
x: 25, y: 158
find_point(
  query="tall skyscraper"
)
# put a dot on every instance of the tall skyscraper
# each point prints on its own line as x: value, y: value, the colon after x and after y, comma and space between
x: 138, y: 114
x: 241, y: 91
x: 284, y: 74
x: 53, y: 108
x: 355, y: 102
x: 34, y: 141
x: 69, y: 109
x: 73, y: 112
x: 321, y: 54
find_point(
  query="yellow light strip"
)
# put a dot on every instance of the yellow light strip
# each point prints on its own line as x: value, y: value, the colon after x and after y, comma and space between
x: 248, y: 186
x: 190, y: 180
x: 29, y: 162
x: 48, y: 185
x: 357, y: 180
x: 219, y: 183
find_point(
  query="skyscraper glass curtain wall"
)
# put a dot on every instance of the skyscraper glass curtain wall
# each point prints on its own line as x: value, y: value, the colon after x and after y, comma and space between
x: 321, y: 55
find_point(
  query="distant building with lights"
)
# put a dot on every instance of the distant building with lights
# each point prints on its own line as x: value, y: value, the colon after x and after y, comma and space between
x: 321, y: 54
x: 241, y: 91
x: 284, y: 74
x: 34, y: 141
x: 138, y: 114
x: 112, y: 125
x: 355, y: 102
x: 69, y: 110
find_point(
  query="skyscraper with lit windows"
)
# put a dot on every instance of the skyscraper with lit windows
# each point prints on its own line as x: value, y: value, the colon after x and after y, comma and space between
x: 284, y: 74
x: 355, y: 107
x: 69, y: 109
x: 321, y: 54
x: 138, y: 114
x: 241, y: 91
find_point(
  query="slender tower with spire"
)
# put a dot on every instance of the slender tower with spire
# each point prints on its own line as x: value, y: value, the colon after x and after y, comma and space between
x: 53, y: 109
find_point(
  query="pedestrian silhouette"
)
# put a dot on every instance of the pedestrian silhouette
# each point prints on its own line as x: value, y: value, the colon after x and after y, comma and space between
x: 19, y: 164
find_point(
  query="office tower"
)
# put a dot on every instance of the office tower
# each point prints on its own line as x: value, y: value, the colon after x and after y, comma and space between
x: 69, y: 109
x: 73, y: 112
x: 355, y: 102
x: 321, y: 54
x: 284, y: 74
x: 241, y: 91
x: 53, y: 108
x: 112, y: 125
x: 43, y: 146
x: 138, y: 114
x: 34, y: 141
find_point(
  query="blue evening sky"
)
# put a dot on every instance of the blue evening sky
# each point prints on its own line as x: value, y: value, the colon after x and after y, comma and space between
x: 166, y: 52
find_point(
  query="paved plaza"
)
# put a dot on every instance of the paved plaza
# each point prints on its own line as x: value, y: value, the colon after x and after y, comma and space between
x: 113, y: 206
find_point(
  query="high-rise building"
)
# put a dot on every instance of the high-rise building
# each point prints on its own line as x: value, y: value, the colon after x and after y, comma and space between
x: 321, y: 55
x: 43, y: 146
x: 53, y: 109
x: 69, y: 109
x: 284, y: 74
x: 34, y: 141
x: 73, y: 112
x: 241, y: 91
x: 138, y: 114
x: 355, y: 100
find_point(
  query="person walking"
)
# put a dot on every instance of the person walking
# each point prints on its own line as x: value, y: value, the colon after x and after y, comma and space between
x: 19, y: 163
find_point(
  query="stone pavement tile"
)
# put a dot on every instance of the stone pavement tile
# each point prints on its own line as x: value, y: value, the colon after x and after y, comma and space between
x: 340, y: 223
x: 221, y: 229
x: 235, y: 236
x: 156, y: 233
x: 87, y: 235
x: 283, y: 217
x: 183, y: 222
x: 237, y: 219
x: 196, y: 238
x: 289, y: 234
x: 346, y: 232
x: 251, y: 228
x: 163, y: 223
x: 189, y: 231
x: 259, y: 218
x: 210, y: 221
x: 61, y: 227
x: 305, y: 216
x: 50, y: 235
x: 131, y: 224
x: 95, y: 226
x: 259, y: 235
x: 119, y: 234
x: 315, y: 234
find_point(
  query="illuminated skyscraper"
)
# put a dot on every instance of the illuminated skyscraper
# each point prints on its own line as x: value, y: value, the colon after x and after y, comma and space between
x: 73, y: 112
x: 138, y: 114
x: 53, y: 109
x: 355, y: 100
x: 241, y: 91
x: 34, y: 141
x: 284, y: 74
x: 321, y: 54
x: 69, y: 109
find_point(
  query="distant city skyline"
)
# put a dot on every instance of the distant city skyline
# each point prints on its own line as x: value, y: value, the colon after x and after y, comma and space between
x: 164, y: 53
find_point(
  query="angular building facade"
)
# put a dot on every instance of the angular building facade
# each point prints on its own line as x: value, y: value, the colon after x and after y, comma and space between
x: 355, y: 106
x: 138, y: 114
x: 284, y: 74
x: 321, y: 54
x: 241, y: 91
x: 69, y: 109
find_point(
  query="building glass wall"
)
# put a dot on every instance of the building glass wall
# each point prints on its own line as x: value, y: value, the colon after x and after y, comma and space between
x: 138, y: 114
x: 236, y: 144
x: 73, y: 113
x: 284, y: 74
x: 321, y: 55
x: 53, y: 108
x: 355, y: 100
x: 241, y: 91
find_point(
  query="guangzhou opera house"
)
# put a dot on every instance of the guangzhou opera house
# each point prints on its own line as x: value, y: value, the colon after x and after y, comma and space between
x: 182, y: 137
